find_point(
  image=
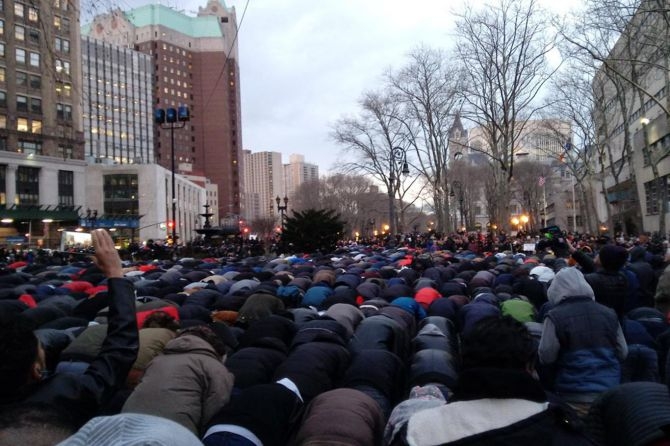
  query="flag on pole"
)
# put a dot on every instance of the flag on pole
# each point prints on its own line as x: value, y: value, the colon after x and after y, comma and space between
x: 541, y: 181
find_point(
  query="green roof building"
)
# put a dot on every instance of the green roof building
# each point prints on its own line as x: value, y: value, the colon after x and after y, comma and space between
x: 195, y: 61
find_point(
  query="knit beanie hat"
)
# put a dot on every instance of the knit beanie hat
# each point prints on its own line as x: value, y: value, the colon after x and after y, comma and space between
x: 132, y: 429
x: 613, y: 257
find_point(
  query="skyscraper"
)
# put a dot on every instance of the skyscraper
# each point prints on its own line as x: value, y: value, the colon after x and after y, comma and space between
x: 195, y: 64
x: 298, y: 172
x: 42, y: 171
x: 118, y: 100
x: 264, y: 176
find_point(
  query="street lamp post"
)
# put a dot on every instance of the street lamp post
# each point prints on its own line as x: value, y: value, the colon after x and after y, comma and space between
x: 171, y: 119
x: 397, y: 154
x: 457, y: 188
x: 282, y: 210
x: 524, y: 221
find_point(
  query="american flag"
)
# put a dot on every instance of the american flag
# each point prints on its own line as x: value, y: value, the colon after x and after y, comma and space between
x: 541, y: 181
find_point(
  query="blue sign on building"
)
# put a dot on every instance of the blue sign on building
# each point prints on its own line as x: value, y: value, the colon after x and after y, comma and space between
x: 132, y: 223
x: 16, y: 239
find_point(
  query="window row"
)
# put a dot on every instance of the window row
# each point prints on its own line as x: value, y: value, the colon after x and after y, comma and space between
x: 61, y: 4
x: 22, y: 33
x: 27, y: 184
x: 25, y: 11
x: 33, y: 81
x: 62, y: 24
x: 64, y: 112
x: 172, y: 81
x: 179, y: 94
x: 30, y: 57
x: 62, y: 66
x: 63, y: 89
x: 62, y: 45
x: 23, y: 125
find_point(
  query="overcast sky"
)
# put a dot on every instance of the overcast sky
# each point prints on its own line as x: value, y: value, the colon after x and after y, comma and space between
x: 305, y: 63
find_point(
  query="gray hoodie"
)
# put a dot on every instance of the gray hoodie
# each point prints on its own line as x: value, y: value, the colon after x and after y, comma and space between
x: 568, y: 282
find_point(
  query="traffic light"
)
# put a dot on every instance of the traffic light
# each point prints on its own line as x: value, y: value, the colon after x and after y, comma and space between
x: 170, y: 224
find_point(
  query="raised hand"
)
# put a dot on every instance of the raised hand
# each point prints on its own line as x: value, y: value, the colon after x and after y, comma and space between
x: 106, y: 256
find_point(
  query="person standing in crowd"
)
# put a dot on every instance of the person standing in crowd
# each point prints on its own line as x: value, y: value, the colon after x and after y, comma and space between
x: 25, y: 379
x: 496, y: 399
x: 582, y: 340
x: 605, y: 276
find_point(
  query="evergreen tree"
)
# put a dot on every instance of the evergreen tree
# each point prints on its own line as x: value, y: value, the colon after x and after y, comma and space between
x: 312, y: 230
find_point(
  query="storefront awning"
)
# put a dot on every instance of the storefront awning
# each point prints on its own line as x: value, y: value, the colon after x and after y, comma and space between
x: 40, y: 212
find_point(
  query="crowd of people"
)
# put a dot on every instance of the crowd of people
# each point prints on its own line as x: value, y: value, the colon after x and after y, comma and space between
x: 460, y: 340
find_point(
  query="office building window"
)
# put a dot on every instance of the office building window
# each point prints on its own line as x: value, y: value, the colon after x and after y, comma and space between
x: 121, y: 194
x: 28, y: 185
x: 62, y: 66
x: 62, y: 45
x: 22, y: 124
x: 3, y: 192
x: 34, y: 36
x: 35, y: 81
x: 29, y: 147
x: 21, y: 79
x: 65, y: 151
x: 65, y: 188
x: 19, y: 33
x: 64, y: 112
x: 36, y: 105
x: 21, y: 103
x: 20, y: 55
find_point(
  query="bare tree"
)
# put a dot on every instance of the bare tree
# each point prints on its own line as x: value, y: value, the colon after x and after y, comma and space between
x: 571, y: 96
x: 504, y: 48
x: 308, y: 196
x: 428, y: 89
x: 372, y: 139
x: 264, y: 227
x: 526, y: 191
x: 353, y: 197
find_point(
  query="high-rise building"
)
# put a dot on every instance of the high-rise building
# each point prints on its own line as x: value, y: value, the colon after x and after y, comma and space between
x: 633, y: 132
x: 117, y: 103
x: 264, y: 179
x: 298, y: 172
x: 42, y: 172
x: 195, y: 64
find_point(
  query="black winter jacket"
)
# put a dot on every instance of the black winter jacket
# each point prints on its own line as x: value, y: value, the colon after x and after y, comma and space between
x: 81, y: 396
x: 609, y: 287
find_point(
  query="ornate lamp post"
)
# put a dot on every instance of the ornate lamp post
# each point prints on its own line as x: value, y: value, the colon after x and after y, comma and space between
x: 398, y: 155
x: 171, y: 119
x: 282, y: 210
x: 524, y: 221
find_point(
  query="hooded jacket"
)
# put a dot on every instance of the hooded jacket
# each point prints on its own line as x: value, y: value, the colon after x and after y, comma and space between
x: 187, y: 384
x: 582, y: 338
